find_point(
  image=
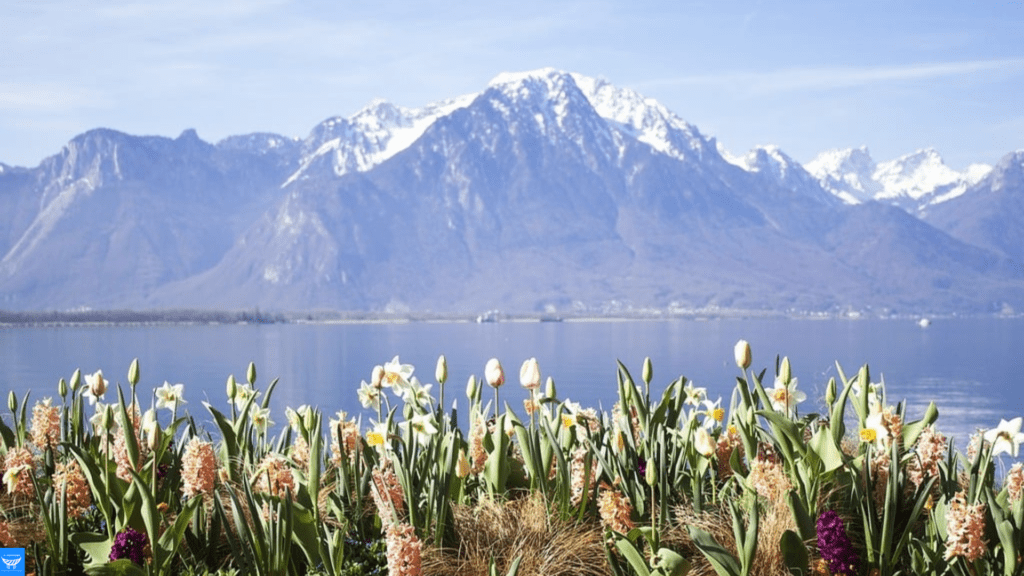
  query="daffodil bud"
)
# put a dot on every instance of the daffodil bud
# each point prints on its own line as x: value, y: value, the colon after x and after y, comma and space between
x: 76, y: 379
x: 742, y: 354
x: 441, y: 372
x: 12, y: 401
x: 651, y: 474
x: 133, y: 372
x: 62, y: 387
x: 250, y: 374
x: 648, y: 372
x: 494, y: 374
x: 785, y: 373
x: 471, y: 388
x: 231, y: 388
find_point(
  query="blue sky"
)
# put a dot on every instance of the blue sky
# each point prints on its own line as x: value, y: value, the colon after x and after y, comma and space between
x: 806, y: 76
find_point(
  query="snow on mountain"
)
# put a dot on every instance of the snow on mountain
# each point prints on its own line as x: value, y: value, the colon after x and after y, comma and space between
x: 371, y: 135
x: 912, y: 181
x: 645, y: 119
x: 846, y: 173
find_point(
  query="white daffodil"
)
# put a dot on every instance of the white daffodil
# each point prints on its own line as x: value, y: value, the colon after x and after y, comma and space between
x: 785, y: 398
x: 260, y: 418
x: 369, y: 396
x: 422, y: 426
x: 303, y: 414
x: 396, y: 374
x: 170, y: 395
x: 97, y: 418
x: 1007, y: 437
x: 694, y: 395
x: 712, y: 413
x: 875, y: 391
x: 875, y: 430
x: 11, y: 476
x: 243, y: 393
x: 417, y: 393
x: 95, y: 386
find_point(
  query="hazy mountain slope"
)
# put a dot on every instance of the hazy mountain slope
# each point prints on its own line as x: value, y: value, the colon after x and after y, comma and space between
x: 991, y: 213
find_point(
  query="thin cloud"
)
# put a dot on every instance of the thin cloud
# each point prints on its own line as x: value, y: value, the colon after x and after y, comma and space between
x: 839, y: 77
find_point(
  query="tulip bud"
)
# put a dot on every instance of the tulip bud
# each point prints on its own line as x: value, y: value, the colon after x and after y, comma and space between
x: 441, y: 372
x: 231, y: 387
x: 133, y: 372
x: 742, y: 354
x: 648, y: 372
x: 76, y: 379
x: 529, y: 374
x: 12, y: 401
x: 98, y: 386
x: 472, y: 388
x: 62, y: 387
x: 377, y: 377
x: 494, y: 374
x: 250, y: 374
x: 830, y: 392
x: 703, y: 443
x: 108, y: 417
x: 785, y: 373
x: 151, y: 429
x: 651, y: 474
x: 549, y: 388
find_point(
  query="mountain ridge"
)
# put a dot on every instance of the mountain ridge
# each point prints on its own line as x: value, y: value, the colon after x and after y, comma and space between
x: 545, y: 191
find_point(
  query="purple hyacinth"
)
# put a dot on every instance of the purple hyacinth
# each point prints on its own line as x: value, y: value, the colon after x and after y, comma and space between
x: 129, y: 544
x: 835, y: 546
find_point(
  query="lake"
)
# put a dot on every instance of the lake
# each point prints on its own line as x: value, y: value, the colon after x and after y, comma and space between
x: 971, y: 368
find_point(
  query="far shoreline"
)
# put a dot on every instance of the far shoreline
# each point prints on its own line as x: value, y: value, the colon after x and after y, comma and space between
x: 187, y: 317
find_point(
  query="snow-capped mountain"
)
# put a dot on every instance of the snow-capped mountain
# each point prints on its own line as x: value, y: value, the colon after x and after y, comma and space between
x: 369, y: 137
x: 545, y: 190
x: 914, y: 181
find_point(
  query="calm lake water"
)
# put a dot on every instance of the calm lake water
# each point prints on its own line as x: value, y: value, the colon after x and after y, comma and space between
x: 971, y: 368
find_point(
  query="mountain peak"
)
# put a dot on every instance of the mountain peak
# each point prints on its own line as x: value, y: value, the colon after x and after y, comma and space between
x: 547, y: 75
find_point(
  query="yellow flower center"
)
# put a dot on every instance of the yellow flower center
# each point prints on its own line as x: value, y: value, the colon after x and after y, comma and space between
x: 781, y: 395
x: 868, y: 435
x: 374, y: 438
x: 718, y: 414
x: 391, y: 377
x: 568, y: 420
x: 732, y: 429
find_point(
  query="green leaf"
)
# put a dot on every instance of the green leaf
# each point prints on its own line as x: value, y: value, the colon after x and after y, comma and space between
x: 913, y: 430
x: 97, y: 546
x: 669, y: 563
x: 636, y: 560
x: 827, y: 450
x: 122, y: 567
x: 794, y: 553
x: 724, y: 563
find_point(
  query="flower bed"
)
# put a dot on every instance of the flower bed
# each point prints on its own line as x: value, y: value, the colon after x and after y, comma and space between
x: 664, y: 485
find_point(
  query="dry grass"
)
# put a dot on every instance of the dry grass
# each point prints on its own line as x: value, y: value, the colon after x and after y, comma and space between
x: 774, y: 520
x: 519, y: 528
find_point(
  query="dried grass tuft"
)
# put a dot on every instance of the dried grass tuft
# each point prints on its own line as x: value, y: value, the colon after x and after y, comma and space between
x: 774, y: 520
x: 518, y: 528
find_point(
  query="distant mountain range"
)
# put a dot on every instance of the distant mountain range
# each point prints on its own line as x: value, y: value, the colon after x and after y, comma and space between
x: 547, y: 192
